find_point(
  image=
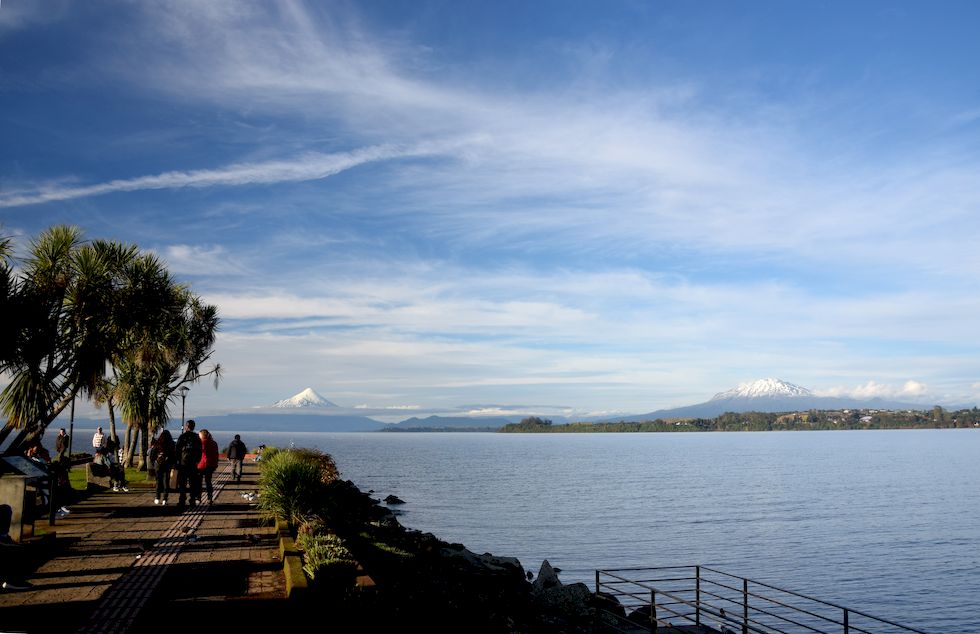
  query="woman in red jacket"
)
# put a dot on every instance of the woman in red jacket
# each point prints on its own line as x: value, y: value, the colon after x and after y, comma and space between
x: 209, y: 461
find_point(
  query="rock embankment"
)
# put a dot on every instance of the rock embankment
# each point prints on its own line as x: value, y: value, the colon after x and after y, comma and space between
x: 425, y: 582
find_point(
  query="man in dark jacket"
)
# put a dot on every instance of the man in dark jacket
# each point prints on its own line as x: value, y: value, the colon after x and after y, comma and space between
x: 188, y: 454
x: 236, y: 453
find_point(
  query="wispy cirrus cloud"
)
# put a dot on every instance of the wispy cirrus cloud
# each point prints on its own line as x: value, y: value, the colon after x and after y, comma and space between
x: 186, y: 259
x: 310, y: 166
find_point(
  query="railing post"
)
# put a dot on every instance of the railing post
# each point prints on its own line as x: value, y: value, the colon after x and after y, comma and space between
x: 697, y: 596
x: 653, y: 610
x: 847, y: 628
x: 597, y: 582
x: 745, y: 606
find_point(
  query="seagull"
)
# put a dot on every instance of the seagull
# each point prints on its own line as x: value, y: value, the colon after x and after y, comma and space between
x: 252, y: 539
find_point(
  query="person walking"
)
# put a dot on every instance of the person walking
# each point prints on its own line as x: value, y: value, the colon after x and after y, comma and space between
x: 188, y: 453
x: 236, y: 453
x: 163, y: 460
x: 59, y: 471
x: 208, y: 462
x: 98, y: 440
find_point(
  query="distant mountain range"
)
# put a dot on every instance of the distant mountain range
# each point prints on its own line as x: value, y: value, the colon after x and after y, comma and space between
x: 309, y: 411
x: 455, y: 422
x: 270, y: 421
x: 768, y: 395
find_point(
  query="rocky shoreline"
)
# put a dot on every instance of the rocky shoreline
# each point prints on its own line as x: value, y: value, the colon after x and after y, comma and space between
x: 422, y: 581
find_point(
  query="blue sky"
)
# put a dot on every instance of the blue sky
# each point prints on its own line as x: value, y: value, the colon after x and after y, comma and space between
x: 559, y: 207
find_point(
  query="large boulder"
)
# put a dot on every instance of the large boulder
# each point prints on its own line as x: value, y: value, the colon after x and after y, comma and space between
x: 485, y: 563
x: 547, y: 578
x: 97, y: 475
x: 572, y: 601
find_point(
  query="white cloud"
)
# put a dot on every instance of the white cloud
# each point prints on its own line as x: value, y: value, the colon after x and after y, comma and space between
x: 215, y: 259
x: 914, y: 388
x: 19, y: 15
x: 872, y: 389
x: 312, y: 166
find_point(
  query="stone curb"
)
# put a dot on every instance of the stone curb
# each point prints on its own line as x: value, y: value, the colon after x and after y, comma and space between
x: 297, y: 584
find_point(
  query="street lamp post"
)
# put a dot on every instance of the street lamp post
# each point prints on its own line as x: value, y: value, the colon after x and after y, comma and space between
x: 183, y: 398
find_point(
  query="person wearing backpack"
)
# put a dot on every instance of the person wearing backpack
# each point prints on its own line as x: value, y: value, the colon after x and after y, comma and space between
x: 162, y: 455
x: 188, y: 453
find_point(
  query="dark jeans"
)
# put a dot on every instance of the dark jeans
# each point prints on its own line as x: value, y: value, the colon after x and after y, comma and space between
x: 188, y: 483
x: 117, y: 475
x: 206, y: 473
x: 163, y: 481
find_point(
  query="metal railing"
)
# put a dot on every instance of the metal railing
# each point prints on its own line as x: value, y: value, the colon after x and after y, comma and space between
x: 703, y: 599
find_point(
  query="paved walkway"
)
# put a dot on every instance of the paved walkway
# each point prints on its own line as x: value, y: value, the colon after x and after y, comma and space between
x: 122, y: 564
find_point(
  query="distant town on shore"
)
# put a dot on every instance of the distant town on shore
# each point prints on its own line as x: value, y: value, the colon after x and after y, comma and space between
x: 937, y: 418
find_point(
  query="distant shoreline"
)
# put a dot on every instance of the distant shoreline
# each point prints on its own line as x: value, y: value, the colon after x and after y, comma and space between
x: 813, y: 420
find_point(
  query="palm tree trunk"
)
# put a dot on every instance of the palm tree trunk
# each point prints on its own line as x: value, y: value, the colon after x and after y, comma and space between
x: 144, y: 447
x: 128, y: 447
x: 112, y: 420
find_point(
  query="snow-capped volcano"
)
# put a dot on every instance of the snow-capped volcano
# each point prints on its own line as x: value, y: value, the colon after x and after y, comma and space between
x: 763, y: 388
x: 308, y: 398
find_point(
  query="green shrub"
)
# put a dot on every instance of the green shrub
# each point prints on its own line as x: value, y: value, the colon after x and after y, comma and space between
x: 290, y: 486
x: 328, y: 468
x: 325, y: 555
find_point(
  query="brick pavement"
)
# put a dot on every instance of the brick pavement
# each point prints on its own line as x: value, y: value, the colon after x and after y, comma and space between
x: 122, y: 564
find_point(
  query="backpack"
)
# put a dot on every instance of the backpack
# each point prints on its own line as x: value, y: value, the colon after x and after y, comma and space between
x: 188, y: 457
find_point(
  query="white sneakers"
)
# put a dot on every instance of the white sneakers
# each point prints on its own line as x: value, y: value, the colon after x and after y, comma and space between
x: 156, y: 500
x: 115, y: 488
x: 10, y: 585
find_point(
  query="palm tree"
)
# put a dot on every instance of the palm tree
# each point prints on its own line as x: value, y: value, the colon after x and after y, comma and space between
x: 176, y: 338
x: 59, y: 335
x: 75, y: 311
x: 6, y: 304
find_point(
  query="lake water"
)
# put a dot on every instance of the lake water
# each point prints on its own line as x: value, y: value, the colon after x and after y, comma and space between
x: 886, y: 522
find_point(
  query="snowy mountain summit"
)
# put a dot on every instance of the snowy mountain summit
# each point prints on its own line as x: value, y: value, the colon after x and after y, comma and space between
x: 764, y: 388
x: 308, y: 398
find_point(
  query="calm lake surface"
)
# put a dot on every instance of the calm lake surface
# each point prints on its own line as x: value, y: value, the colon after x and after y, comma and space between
x: 886, y: 522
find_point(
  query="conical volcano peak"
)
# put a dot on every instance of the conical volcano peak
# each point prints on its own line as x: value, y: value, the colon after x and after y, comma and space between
x: 763, y: 388
x: 306, y: 398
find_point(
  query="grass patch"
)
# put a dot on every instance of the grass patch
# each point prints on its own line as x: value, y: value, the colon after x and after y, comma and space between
x: 394, y: 550
x: 134, y: 477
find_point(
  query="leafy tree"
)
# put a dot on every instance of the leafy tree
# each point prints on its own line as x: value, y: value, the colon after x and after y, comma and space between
x: 175, y: 339
x: 61, y: 322
x: 100, y: 320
